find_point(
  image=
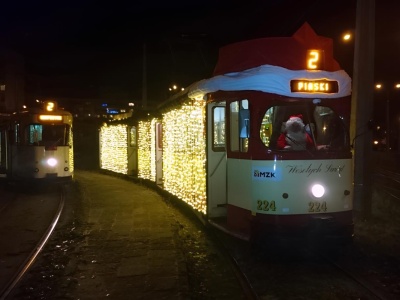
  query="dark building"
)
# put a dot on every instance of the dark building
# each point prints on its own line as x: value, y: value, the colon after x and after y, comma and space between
x: 12, y: 81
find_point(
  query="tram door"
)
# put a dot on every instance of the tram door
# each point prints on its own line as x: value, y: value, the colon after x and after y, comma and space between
x: 216, y: 160
x: 132, y: 151
x: 159, y: 163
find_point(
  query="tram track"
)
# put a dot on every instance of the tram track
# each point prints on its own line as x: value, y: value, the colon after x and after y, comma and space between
x: 388, y: 182
x: 16, y: 277
x: 362, y: 270
x: 355, y: 277
x: 284, y: 272
x: 247, y: 288
x: 366, y: 290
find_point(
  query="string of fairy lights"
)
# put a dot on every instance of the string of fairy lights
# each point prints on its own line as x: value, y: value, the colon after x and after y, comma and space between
x: 153, y: 162
x: 184, y: 153
x: 114, y: 148
x: 71, y: 151
x: 144, y: 150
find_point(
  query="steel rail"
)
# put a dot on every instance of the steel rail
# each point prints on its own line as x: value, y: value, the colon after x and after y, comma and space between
x: 32, y: 257
x: 349, y: 274
x: 243, y: 280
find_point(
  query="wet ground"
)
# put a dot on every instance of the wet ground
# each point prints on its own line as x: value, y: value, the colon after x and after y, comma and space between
x: 88, y: 259
x: 68, y: 269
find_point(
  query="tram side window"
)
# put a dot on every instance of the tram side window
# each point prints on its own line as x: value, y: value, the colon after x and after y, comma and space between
x: 218, y: 125
x: 132, y: 137
x: 34, y: 134
x: 15, y: 134
x: 266, y: 127
x: 239, y: 125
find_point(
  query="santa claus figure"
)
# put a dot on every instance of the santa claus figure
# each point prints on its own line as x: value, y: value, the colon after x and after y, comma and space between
x: 295, y: 136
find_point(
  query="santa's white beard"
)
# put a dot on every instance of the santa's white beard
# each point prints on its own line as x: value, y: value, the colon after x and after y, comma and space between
x: 297, y: 140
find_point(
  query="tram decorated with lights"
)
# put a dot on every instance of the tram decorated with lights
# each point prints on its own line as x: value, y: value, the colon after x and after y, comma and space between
x: 37, y: 144
x: 262, y: 148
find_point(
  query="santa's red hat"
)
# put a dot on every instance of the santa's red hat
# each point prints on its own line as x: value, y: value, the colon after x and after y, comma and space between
x: 299, y: 116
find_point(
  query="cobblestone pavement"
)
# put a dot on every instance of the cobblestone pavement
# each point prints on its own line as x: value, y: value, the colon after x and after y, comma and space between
x: 120, y: 240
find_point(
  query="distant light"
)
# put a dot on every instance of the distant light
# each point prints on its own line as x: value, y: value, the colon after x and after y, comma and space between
x: 347, y: 37
x: 378, y: 86
x: 131, y: 104
x: 397, y: 86
x: 112, y: 111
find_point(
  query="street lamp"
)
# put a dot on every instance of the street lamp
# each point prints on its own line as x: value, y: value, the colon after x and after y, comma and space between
x: 175, y: 88
x: 380, y: 86
x: 347, y: 36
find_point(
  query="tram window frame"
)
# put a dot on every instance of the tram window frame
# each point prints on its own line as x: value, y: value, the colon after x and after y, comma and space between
x: 218, y: 129
x: 239, y: 125
x: 3, y: 160
x: 159, y: 135
x: 59, y: 136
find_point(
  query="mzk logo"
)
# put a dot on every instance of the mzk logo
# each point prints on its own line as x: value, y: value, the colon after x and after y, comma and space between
x: 266, y: 174
x: 259, y: 174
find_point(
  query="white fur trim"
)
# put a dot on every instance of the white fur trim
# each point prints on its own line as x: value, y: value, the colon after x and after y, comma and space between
x: 270, y: 79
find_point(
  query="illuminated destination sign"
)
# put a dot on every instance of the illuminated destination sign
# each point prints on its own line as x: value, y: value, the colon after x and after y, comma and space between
x: 315, y: 59
x: 50, y: 118
x: 314, y: 86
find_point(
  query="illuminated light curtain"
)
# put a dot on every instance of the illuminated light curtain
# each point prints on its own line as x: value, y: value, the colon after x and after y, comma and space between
x: 184, y: 153
x: 144, y: 150
x: 153, y: 169
x: 71, y: 150
x: 114, y: 148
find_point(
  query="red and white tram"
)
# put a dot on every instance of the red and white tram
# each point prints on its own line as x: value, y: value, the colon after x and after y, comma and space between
x: 37, y: 143
x: 262, y: 147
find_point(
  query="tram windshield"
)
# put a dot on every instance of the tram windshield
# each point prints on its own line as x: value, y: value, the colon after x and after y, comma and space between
x: 303, y: 127
x: 47, y: 135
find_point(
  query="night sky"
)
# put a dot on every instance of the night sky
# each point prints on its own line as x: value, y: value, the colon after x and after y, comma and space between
x: 94, y: 49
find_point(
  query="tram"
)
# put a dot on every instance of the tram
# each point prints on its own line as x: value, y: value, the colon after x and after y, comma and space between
x: 259, y: 150
x: 36, y: 144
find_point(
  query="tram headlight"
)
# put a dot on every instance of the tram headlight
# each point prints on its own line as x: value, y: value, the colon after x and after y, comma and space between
x: 317, y: 190
x: 52, y: 162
